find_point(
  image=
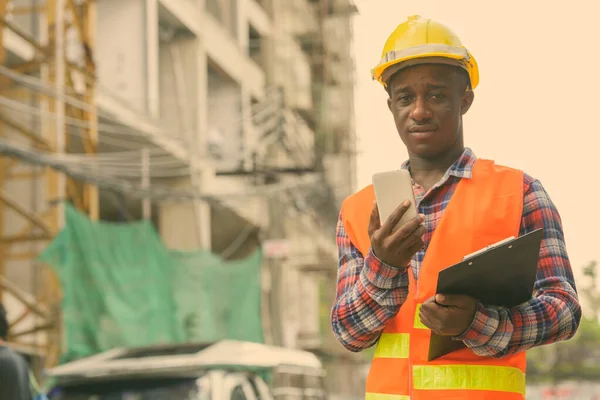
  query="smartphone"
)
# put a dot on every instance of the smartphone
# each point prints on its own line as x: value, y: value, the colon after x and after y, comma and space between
x: 392, y: 188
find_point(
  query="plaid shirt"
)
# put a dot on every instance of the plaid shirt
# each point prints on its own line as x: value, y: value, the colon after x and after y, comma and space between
x: 370, y: 293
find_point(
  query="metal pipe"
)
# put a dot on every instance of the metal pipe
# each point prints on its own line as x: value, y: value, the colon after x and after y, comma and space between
x: 202, y: 235
x: 59, y: 83
x: 146, y: 205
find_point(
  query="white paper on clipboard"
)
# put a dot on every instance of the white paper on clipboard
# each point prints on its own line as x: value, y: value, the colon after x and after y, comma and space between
x: 491, y: 246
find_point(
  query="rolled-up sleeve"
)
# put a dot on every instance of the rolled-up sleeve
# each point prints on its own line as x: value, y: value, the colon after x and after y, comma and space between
x: 369, y: 294
x: 554, y: 312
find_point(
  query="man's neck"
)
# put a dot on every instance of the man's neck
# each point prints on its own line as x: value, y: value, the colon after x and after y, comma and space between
x: 427, y: 172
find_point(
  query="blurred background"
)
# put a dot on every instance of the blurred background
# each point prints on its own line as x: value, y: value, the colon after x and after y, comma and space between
x: 171, y: 173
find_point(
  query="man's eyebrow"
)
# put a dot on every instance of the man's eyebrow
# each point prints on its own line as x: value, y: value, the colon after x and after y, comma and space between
x: 429, y: 86
x: 437, y: 86
x: 403, y: 89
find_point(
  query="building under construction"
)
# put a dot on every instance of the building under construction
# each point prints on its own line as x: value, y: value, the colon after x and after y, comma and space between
x: 226, y: 123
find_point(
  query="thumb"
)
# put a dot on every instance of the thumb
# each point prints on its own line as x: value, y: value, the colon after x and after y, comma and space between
x: 375, y: 210
x: 374, y: 222
x: 452, y: 300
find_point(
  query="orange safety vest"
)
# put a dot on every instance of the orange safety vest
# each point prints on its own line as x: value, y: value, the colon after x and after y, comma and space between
x: 483, y: 210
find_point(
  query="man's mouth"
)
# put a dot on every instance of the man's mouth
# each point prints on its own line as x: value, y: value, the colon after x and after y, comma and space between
x: 423, y: 129
x: 423, y: 132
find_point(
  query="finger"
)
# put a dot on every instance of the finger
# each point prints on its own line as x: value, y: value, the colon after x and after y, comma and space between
x: 423, y: 318
x: 374, y: 222
x: 411, y: 245
x: 453, y: 300
x: 412, y: 238
x: 427, y: 319
x: 410, y: 227
x: 395, y: 217
x: 428, y: 309
x: 415, y: 247
x: 432, y: 309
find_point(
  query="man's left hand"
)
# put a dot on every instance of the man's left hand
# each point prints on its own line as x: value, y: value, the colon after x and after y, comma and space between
x: 448, y: 315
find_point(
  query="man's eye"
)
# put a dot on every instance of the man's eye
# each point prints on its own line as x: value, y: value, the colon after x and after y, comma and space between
x: 404, y: 99
x: 437, y: 96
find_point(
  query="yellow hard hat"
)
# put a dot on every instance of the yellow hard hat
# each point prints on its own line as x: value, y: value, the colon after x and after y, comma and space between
x: 423, y: 41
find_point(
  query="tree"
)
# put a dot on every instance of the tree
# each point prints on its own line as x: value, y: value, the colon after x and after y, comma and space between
x: 578, y: 358
x: 590, y: 292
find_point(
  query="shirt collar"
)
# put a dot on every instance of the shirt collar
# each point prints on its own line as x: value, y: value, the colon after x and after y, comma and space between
x: 462, y: 167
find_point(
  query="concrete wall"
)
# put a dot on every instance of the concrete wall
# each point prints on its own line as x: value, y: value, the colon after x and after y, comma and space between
x: 179, y: 93
x: 225, y: 124
x: 293, y: 72
x: 185, y: 225
x: 294, y: 17
x: 229, y: 54
x: 120, y: 51
x: 177, y: 226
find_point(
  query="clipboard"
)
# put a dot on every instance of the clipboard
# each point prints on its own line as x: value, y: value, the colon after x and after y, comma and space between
x: 502, y: 274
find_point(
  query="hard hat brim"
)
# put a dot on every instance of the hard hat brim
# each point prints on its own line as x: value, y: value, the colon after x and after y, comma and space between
x: 394, y: 61
x: 393, y: 69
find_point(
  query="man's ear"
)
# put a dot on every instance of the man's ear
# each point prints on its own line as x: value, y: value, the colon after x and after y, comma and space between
x: 467, y: 101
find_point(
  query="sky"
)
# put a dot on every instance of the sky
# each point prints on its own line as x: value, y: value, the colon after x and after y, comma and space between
x: 535, y: 108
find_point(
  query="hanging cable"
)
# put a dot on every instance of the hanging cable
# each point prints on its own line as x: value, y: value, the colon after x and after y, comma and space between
x: 110, y: 129
x: 159, y: 193
x: 265, y: 106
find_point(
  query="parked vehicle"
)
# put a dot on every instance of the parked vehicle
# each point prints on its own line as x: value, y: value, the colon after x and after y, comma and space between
x: 225, y: 370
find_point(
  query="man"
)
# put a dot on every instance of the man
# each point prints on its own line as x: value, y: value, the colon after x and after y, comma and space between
x: 14, y: 374
x: 387, y: 279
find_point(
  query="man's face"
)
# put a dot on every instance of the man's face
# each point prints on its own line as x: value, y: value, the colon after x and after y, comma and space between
x: 427, y: 102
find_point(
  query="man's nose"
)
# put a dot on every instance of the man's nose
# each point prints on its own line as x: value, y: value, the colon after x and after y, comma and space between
x: 421, y: 110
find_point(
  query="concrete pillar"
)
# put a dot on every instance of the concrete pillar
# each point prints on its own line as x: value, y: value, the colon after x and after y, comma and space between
x: 186, y: 226
x: 208, y: 173
x: 242, y: 22
x: 152, y: 58
x: 177, y: 226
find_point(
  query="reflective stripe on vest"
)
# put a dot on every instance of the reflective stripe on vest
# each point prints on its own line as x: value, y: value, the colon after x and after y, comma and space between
x: 460, y: 377
x: 393, y: 345
x: 471, y: 377
x: 381, y: 396
x: 418, y: 324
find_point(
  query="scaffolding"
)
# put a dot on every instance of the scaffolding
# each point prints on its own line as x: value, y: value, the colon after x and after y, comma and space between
x: 57, y: 27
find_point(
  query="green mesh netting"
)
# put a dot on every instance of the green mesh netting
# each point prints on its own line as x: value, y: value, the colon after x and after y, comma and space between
x: 232, y: 291
x: 122, y: 287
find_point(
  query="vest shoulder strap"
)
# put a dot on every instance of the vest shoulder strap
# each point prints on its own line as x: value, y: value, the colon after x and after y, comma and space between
x: 356, y: 212
x: 356, y: 208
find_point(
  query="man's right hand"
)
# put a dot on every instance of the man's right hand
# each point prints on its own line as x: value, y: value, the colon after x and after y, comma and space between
x: 396, y: 248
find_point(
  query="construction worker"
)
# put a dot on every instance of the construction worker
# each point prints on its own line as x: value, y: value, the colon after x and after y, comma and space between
x: 386, y: 289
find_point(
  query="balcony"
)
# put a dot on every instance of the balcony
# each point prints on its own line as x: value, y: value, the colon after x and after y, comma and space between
x: 294, y: 73
x: 225, y: 122
x: 265, y: 5
x: 181, y: 14
x: 259, y: 17
x: 225, y: 12
x: 296, y: 18
x: 257, y: 48
x: 226, y: 53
